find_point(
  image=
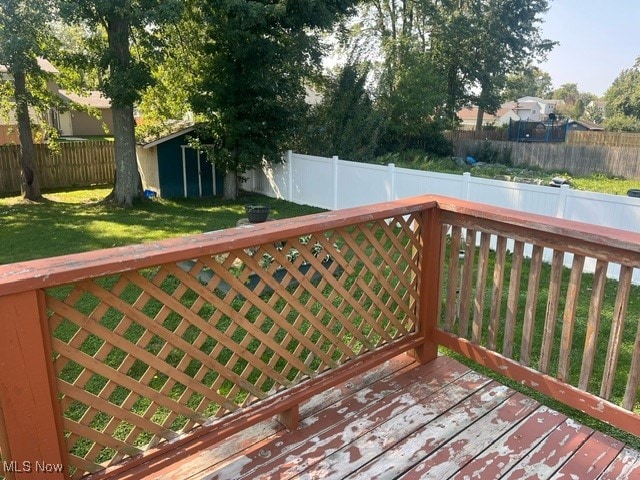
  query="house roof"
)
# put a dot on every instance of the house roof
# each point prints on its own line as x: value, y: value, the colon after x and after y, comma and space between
x: 526, y: 105
x: 44, y: 65
x: 471, y: 113
x: 94, y: 99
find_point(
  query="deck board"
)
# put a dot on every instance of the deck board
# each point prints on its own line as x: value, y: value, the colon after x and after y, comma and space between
x: 402, y: 420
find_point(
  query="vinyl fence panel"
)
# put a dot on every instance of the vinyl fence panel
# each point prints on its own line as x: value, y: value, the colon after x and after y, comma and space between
x: 333, y: 183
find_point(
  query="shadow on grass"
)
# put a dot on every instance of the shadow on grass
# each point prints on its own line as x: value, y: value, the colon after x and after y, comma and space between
x: 51, y: 228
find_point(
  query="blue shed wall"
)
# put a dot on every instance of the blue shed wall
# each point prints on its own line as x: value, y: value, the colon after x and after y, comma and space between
x: 170, y: 171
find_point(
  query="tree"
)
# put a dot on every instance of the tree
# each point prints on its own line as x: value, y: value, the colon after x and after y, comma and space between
x: 568, y: 92
x: 575, y: 101
x: 623, y: 101
x: 472, y: 44
x: 529, y: 82
x: 175, y: 73
x: 250, y: 90
x: 123, y: 75
x: 345, y: 122
x: 24, y: 38
x: 506, y: 37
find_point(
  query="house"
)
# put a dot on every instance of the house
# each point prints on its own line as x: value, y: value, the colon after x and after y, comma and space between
x: 171, y: 168
x: 76, y: 119
x: 8, y: 122
x: 534, y: 109
x: 531, y: 109
x: 469, y: 115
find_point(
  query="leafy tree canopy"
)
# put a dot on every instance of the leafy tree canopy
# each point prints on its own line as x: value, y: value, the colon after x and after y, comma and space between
x: 345, y: 121
x: 472, y: 44
x: 623, y: 101
x: 530, y: 81
x: 250, y: 89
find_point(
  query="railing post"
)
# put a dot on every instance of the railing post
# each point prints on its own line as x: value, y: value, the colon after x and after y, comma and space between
x: 32, y: 442
x: 429, y: 286
x: 562, y: 201
x: 335, y: 182
x: 464, y: 194
x: 289, y: 163
x: 392, y: 182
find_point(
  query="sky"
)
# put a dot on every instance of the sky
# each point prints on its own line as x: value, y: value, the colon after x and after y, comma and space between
x: 598, y: 39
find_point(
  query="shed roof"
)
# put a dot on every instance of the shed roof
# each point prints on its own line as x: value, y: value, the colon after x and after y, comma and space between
x: 588, y: 125
x: 169, y: 136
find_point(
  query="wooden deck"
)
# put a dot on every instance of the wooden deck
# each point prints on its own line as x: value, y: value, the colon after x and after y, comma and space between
x: 441, y: 420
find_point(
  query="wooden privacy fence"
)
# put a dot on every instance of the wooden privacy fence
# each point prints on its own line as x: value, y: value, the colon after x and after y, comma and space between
x: 574, y: 159
x: 119, y: 362
x: 583, y: 138
x: 604, y: 139
x: 465, y: 135
x: 76, y: 164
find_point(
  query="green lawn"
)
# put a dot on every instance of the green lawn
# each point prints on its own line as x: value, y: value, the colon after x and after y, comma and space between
x: 73, y: 221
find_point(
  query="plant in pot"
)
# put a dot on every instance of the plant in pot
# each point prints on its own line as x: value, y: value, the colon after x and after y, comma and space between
x: 257, y: 213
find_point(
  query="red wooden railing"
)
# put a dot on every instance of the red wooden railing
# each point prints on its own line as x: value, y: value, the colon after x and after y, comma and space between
x: 118, y: 362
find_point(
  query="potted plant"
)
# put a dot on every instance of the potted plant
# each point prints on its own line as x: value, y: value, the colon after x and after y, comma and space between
x: 257, y: 213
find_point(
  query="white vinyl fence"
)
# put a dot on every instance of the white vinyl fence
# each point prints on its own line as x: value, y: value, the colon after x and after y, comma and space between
x: 333, y: 183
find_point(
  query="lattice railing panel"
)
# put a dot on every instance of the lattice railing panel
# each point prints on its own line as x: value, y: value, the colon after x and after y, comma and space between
x: 147, y: 355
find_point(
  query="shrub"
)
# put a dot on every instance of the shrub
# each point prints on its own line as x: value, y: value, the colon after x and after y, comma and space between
x: 486, y: 152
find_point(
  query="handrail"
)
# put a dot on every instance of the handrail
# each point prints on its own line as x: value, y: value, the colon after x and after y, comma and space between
x: 156, y: 342
x: 49, y: 272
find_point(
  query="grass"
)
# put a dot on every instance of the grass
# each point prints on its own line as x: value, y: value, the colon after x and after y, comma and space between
x: 596, y: 182
x: 71, y: 221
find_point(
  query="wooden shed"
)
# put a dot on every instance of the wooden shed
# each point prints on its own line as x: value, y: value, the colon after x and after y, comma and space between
x: 171, y: 168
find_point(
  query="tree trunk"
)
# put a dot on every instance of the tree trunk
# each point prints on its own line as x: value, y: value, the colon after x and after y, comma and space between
x: 127, y: 179
x: 29, y: 184
x: 230, y: 185
x: 480, y: 118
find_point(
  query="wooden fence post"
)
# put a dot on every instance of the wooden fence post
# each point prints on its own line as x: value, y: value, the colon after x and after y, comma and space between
x: 33, y: 445
x: 429, y: 303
